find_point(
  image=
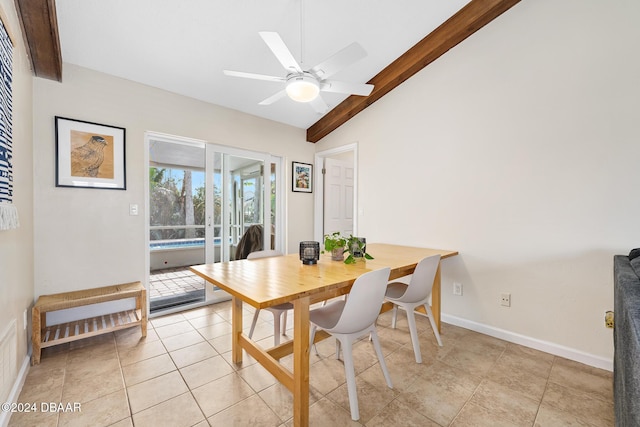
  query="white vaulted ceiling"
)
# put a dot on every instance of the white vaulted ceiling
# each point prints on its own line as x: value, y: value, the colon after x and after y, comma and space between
x: 182, y: 46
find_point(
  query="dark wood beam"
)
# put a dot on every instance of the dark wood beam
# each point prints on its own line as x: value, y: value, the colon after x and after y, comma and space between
x: 475, y: 15
x: 40, y: 29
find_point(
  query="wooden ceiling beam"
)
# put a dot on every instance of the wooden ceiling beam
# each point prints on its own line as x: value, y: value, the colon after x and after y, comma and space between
x: 475, y: 15
x: 40, y: 30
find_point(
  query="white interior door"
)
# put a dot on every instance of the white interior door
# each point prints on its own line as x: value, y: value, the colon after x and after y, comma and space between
x: 338, y: 196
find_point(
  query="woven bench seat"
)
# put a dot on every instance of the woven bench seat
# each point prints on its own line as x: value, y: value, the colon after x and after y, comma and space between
x: 46, y: 336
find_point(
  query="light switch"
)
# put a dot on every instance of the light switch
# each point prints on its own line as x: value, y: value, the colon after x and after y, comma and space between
x: 133, y: 209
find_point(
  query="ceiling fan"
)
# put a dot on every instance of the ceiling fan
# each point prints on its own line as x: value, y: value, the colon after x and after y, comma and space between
x: 305, y: 85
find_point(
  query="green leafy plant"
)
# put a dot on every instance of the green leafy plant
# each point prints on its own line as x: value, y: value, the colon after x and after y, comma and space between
x: 349, y: 244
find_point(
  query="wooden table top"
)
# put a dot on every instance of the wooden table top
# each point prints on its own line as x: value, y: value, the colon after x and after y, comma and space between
x: 265, y: 282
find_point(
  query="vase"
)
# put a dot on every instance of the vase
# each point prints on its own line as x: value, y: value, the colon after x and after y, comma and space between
x: 337, y: 254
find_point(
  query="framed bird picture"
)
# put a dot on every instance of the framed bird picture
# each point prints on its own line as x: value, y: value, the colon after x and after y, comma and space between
x: 89, y: 155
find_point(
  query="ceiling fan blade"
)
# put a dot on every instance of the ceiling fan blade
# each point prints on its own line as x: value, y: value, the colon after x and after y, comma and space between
x: 280, y: 50
x: 273, y: 98
x: 347, y: 56
x: 319, y: 105
x: 362, y: 89
x: 253, y: 76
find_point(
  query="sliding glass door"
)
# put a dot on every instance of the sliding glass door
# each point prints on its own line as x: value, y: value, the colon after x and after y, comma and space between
x: 203, y: 198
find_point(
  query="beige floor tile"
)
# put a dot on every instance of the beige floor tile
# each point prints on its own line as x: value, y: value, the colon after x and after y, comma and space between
x: 84, y: 388
x: 173, y: 329
x: 326, y: 413
x: 31, y: 419
x: 593, y: 381
x: 192, y: 354
x: 134, y: 337
x: 257, y: 377
x: 579, y: 404
x: 280, y: 400
x: 327, y: 375
x: 147, y: 369
x: 215, y: 330
x: 154, y: 391
x: 222, y: 393
x: 471, y: 361
x: 169, y: 319
x: 505, y: 403
x: 103, y: 411
x: 143, y: 350
x: 127, y: 422
x: 548, y: 416
x: 42, y: 385
x: 183, y: 340
x: 180, y: 411
x: 209, y: 318
x: 438, y: 400
x: 205, y: 371
x: 370, y: 398
x: 518, y: 380
x: 473, y: 415
x: 221, y: 344
x: 249, y: 412
x: 397, y: 413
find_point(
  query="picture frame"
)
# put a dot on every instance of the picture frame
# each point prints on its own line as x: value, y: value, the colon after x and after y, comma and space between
x: 90, y: 155
x: 302, y: 177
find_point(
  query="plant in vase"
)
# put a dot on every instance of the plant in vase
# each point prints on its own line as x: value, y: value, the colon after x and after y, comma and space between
x: 356, y: 248
x: 338, y: 244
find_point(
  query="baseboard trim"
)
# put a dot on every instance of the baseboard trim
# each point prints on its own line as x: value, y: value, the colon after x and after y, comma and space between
x: 547, y: 347
x: 16, y: 389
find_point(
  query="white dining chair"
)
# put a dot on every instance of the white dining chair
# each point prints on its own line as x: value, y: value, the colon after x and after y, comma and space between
x: 279, y: 311
x: 347, y: 320
x: 412, y: 295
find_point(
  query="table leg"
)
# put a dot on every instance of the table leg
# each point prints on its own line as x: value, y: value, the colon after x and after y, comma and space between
x: 435, y: 299
x: 301, y: 362
x: 236, y: 329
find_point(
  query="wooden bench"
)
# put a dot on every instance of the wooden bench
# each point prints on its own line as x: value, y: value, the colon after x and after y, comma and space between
x: 46, y: 336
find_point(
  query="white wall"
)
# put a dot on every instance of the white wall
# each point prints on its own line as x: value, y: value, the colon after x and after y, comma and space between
x: 16, y: 246
x: 85, y: 238
x: 519, y: 148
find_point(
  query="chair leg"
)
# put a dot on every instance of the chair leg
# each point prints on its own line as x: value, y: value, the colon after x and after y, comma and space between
x: 276, y: 327
x: 312, y: 336
x: 411, y: 318
x: 383, y: 365
x: 284, y: 323
x: 338, y: 349
x: 394, y: 317
x: 253, y: 324
x: 350, y: 374
x: 433, y: 324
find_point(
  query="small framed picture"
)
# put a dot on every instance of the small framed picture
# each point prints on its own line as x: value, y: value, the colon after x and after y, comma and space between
x: 302, y: 177
x: 89, y: 155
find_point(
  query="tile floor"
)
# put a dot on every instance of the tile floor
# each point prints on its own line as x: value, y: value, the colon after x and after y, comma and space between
x: 181, y: 375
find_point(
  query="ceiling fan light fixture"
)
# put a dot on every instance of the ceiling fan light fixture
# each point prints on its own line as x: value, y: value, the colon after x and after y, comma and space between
x: 302, y: 88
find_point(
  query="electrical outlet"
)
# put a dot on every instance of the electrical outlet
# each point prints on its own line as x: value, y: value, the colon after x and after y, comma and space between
x: 505, y: 300
x: 457, y: 288
x: 608, y: 319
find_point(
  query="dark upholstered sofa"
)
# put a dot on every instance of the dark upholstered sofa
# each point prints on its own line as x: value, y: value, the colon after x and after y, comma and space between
x: 626, y: 338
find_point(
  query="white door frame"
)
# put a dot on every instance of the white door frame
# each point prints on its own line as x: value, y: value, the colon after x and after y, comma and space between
x: 318, y: 216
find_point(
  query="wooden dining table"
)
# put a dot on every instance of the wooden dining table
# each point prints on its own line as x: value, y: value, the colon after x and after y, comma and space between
x: 266, y: 282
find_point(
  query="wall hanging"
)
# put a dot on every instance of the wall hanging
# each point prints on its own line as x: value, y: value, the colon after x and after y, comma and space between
x: 89, y: 155
x: 8, y: 211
